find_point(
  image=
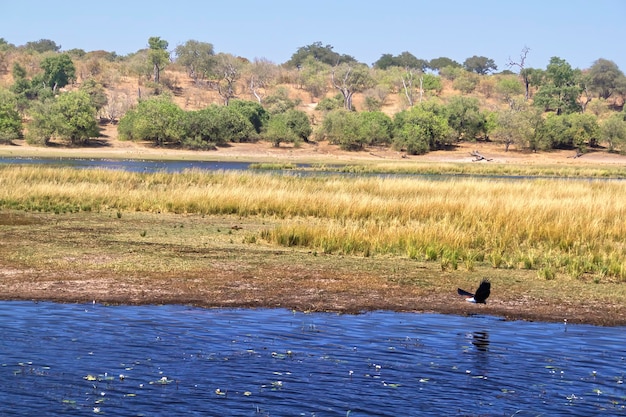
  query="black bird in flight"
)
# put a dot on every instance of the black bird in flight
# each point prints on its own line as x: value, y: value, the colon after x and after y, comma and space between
x: 482, y: 293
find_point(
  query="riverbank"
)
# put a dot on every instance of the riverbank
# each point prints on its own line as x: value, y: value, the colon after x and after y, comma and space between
x: 321, y: 153
x: 211, y: 261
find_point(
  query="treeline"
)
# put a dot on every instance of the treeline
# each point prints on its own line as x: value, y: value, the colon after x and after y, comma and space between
x: 63, y: 95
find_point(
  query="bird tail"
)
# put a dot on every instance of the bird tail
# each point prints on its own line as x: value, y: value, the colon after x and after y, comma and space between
x: 464, y: 293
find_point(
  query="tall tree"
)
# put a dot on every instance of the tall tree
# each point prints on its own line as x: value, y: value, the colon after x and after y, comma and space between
x: 228, y: 72
x: 517, y: 125
x: 59, y: 71
x: 404, y: 60
x: 313, y: 77
x: 521, y: 64
x: 43, y: 45
x: 158, y: 56
x: 613, y: 130
x: 605, y: 78
x: 350, y: 79
x: 465, y: 117
x: 421, y: 128
x: 10, y: 119
x: 319, y: 52
x: 561, y: 89
x: 480, y: 64
x: 69, y: 116
x: 198, y: 58
x: 261, y: 74
x: 437, y: 64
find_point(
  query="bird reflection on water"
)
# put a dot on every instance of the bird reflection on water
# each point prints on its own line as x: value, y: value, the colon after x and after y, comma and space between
x: 480, y: 340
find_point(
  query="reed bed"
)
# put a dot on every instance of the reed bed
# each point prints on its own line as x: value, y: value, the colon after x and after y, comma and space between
x: 552, y: 226
x: 491, y: 169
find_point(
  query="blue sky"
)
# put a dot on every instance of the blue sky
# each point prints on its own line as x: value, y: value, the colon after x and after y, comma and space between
x: 579, y: 31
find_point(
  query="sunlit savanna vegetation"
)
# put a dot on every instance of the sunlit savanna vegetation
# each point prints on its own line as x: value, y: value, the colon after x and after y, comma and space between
x: 553, y: 226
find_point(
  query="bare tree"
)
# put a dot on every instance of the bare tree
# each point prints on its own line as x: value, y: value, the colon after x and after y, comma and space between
x: 262, y: 73
x: 350, y: 79
x: 228, y: 71
x: 524, y: 75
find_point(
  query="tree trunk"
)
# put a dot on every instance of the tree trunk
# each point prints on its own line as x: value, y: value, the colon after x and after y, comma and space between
x: 156, y: 73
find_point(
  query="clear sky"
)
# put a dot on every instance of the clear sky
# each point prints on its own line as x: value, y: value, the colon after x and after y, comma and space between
x: 579, y: 31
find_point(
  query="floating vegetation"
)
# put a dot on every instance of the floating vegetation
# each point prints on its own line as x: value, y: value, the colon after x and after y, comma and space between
x: 162, y: 381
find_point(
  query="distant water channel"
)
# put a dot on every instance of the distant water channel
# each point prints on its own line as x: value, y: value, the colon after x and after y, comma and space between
x: 131, y: 165
x: 86, y: 359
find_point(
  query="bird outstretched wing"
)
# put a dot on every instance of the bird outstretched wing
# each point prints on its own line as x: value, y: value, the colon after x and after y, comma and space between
x: 482, y: 293
x: 464, y: 293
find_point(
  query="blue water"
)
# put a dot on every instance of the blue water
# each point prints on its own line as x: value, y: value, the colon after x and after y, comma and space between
x: 131, y: 165
x: 86, y: 359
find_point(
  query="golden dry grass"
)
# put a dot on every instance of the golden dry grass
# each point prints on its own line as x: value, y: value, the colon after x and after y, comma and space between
x: 548, y: 225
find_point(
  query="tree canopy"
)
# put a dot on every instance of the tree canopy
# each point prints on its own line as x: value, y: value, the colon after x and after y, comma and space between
x: 404, y: 60
x: 321, y: 53
x: 480, y: 64
x: 59, y: 71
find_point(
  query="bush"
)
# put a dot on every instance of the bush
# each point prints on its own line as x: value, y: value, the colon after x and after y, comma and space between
x: 375, y: 128
x: 421, y: 128
x: 217, y: 125
x: 254, y: 112
x: 10, y: 120
x: 156, y: 119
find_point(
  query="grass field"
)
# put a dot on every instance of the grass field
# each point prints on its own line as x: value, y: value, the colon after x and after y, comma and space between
x: 331, y: 242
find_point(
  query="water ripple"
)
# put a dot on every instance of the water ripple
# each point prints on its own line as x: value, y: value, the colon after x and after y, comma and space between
x: 57, y: 359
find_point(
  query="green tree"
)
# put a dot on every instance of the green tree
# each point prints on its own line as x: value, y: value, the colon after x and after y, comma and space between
x: 375, y: 127
x: 421, y: 128
x: 571, y: 130
x: 583, y: 130
x: 299, y: 123
x: 320, y: 53
x: 69, y: 116
x: 531, y: 77
x: 156, y: 119
x: 613, y: 130
x: 43, y: 45
x: 198, y: 58
x: 279, y: 102
x: 432, y: 83
x: 58, y: 70
x: 158, y: 56
x: 341, y: 127
x: 279, y: 132
x: 217, y: 126
x: 313, y: 76
x: 96, y: 92
x: 404, y: 60
x: 75, y: 117
x: 350, y: 79
x: 42, y: 125
x: 437, y: 64
x: 480, y: 65
x: 466, y: 82
x: 508, y: 88
x: 605, y: 78
x: 254, y: 112
x: 10, y: 119
x: 561, y: 89
x: 465, y: 118
x: 292, y: 126
x: 517, y: 125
